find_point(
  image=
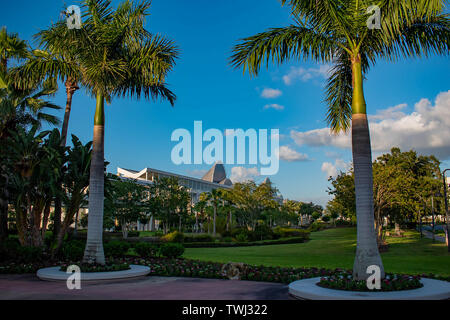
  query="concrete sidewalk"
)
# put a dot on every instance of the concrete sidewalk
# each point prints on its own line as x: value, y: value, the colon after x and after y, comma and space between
x: 436, y: 237
x: 29, y: 287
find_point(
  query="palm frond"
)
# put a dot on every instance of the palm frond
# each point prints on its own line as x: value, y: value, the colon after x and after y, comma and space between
x: 278, y: 45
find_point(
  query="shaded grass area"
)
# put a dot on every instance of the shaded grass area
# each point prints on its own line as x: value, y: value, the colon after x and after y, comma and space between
x: 335, y: 248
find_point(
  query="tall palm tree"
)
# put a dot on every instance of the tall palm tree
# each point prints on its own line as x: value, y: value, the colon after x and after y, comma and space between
x: 214, y: 196
x: 118, y: 57
x: 57, y: 60
x: 336, y: 31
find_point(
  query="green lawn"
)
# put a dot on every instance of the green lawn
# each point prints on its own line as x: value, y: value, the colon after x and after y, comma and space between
x: 334, y: 248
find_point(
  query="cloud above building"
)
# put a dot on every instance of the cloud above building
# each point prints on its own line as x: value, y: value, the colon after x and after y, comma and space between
x: 242, y: 174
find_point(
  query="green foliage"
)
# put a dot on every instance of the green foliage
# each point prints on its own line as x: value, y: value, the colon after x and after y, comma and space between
x: 290, y: 232
x: 198, y: 238
x: 72, y: 250
x: 175, y: 236
x: 116, y: 248
x: 126, y: 201
x: 242, y: 237
x: 262, y: 232
x: 316, y: 215
x: 317, y: 226
x: 326, y: 218
x: 146, y: 250
x: 171, y: 250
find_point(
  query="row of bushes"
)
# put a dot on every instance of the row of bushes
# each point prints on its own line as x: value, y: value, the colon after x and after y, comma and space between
x: 245, y: 244
x: 11, y: 249
x: 73, y: 250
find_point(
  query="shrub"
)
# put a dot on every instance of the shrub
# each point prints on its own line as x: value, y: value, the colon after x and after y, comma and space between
x: 9, y: 249
x: 342, y: 222
x: 116, y: 248
x: 133, y: 233
x: 227, y: 239
x: 241, y: 237
x: 199, y: 238
x: 290, y: 232
x: 30, y: 254
x: 174, y: 236
x: 262, y: 232
x: 171, y: 250
x: 146, y: 250
x: 72, y: 250
x: 316, y: 226
x: 326, y: 218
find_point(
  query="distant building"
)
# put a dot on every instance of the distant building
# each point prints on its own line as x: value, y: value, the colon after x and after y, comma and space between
x: 215, y: 178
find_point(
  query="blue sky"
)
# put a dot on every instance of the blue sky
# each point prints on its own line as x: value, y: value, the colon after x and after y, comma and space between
x: 208, y: 89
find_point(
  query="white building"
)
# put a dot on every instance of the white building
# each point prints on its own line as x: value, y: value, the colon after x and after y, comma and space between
x: 215, y: 178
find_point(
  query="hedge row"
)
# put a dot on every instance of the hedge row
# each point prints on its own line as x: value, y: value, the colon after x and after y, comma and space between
x: 246, y: 244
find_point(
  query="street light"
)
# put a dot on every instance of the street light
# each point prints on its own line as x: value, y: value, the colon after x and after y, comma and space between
x: 446, y: 208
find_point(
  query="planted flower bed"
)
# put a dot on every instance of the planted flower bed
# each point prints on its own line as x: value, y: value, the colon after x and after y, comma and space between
x: 392, y: 282
x: 108, y: 267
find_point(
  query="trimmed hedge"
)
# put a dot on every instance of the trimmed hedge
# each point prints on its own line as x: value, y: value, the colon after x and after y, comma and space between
x: 247, y: 244
x: 174, y: 236
x: 290, y: 232
x: 198, y: 238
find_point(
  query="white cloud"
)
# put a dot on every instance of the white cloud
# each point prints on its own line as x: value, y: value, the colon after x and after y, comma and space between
x: 389, y: 113
x: 426, y: 129
x: 306, y: 74
x: 269, y: 93
x: 332, y: 170
x: 291, y: 155
x: 241, y: 174
x: 274, y: 106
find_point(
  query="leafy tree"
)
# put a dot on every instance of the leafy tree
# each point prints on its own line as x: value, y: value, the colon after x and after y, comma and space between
x: 128, y: 203
x: 76, y: 182
x: 336, y: 31
x: 118, y: 58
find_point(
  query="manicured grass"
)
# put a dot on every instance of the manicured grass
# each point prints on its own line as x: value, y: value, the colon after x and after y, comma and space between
x: 334, y: 248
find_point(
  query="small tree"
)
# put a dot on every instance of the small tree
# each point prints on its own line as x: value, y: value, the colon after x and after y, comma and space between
x: 128, y: 203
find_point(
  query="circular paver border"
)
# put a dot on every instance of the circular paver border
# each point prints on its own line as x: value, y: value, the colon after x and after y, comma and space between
x: 307, y: 289
x: 55, y: 274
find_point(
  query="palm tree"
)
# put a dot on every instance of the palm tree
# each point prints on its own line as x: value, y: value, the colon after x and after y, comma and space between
x: 336, y: 31
x: 214, y: 196
x: 118, y: 57
x: 57, y: 60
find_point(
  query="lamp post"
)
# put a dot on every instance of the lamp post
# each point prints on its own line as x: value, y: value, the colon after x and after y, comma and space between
x: 446, y: 209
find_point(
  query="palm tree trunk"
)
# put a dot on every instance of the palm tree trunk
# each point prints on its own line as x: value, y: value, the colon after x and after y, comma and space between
x: 366, y: 250
x: 94, y: 245
x: 71, y: 87
x: 214, y: 219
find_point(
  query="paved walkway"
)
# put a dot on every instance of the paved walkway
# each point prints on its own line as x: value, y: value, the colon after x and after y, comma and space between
x: 430, y: 235
x: 28, y: 286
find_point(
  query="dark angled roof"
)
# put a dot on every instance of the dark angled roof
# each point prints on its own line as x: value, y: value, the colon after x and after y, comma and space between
x: 216, y: 173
